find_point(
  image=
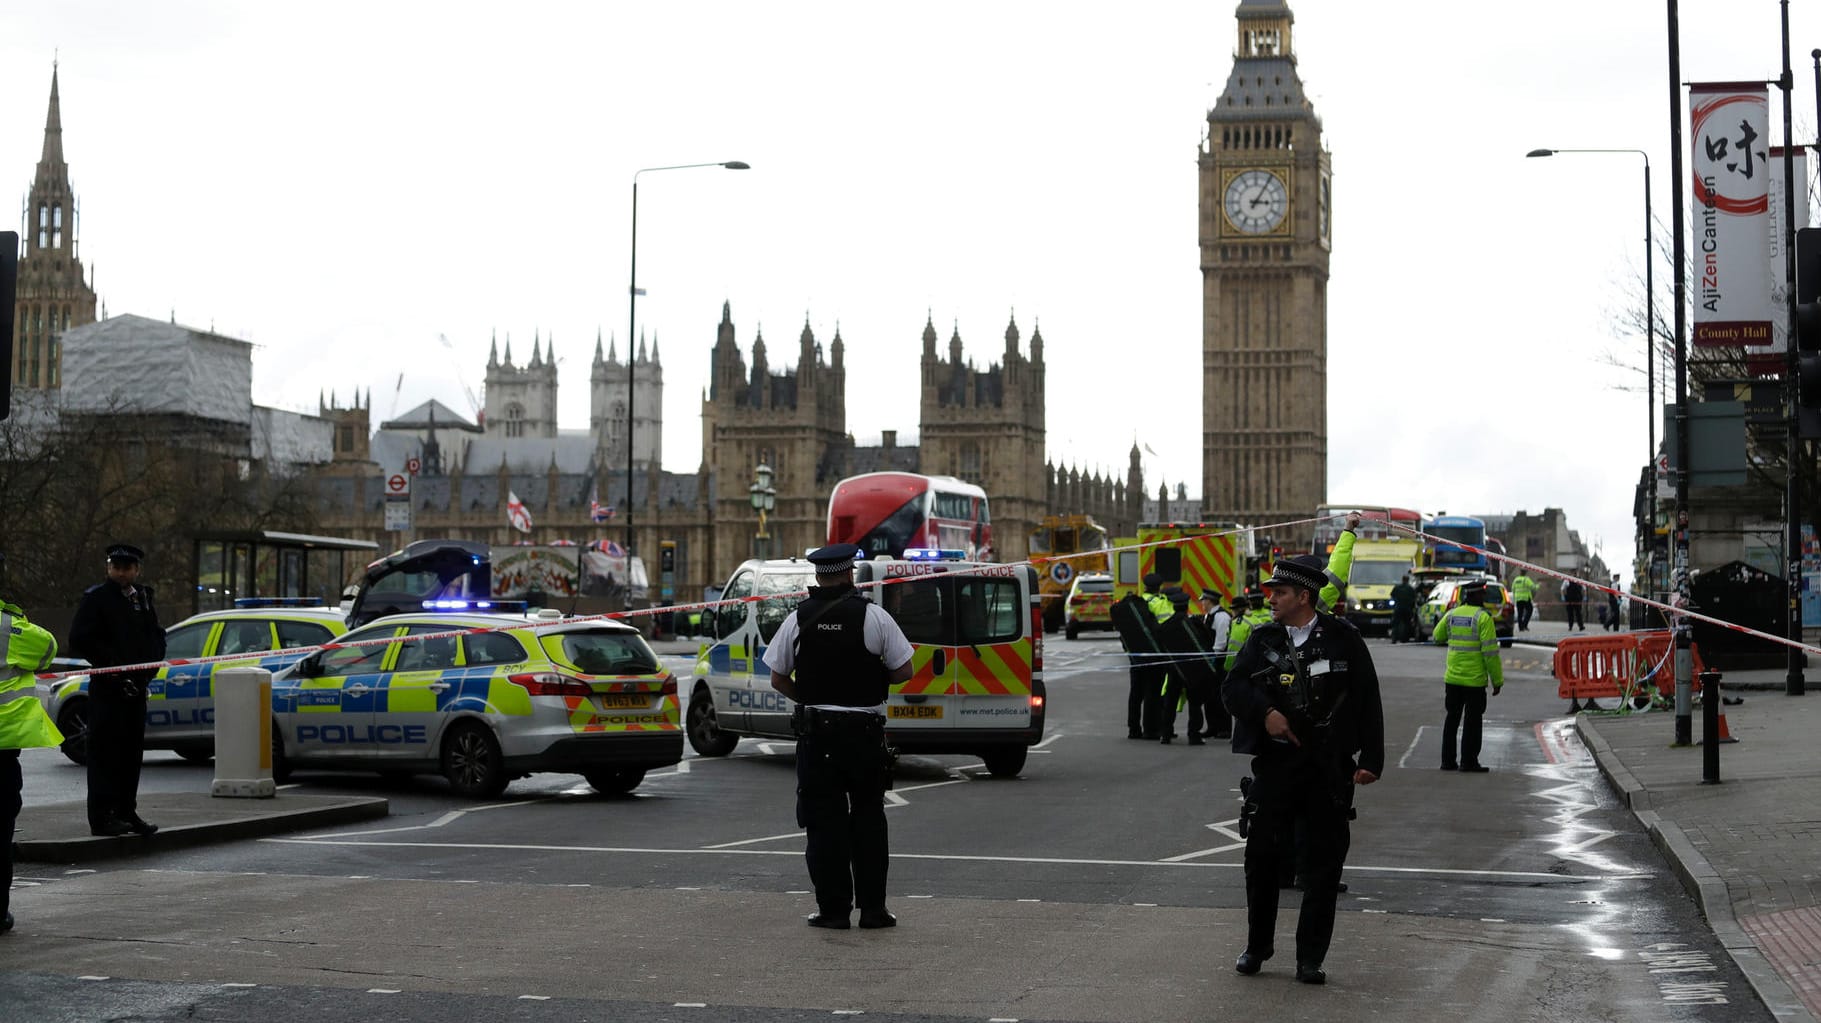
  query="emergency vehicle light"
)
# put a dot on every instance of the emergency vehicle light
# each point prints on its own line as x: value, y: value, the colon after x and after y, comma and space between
x: 278, y: 602
x: 933, y: 554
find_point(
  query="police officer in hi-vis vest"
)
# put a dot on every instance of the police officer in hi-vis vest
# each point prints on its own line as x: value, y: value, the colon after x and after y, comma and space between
x: 24, y: 649
x: 1305, y: 703
x: 837, y: 655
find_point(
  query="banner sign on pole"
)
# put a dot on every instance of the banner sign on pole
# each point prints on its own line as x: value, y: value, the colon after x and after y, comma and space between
x: 1731, y: 156
x: 1770, y: 362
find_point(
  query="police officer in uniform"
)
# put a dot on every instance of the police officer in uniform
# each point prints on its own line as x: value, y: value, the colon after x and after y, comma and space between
x: 1473, y: 664
x: 1305, y: 702
x: 836, y: 655
x: 117, y: 623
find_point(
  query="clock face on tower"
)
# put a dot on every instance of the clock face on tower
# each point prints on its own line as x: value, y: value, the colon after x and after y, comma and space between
x: 1255, y: 201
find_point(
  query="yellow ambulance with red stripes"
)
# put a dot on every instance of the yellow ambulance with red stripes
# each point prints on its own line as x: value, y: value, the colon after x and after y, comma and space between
x: 976, y: 633
x: 1197, y: 556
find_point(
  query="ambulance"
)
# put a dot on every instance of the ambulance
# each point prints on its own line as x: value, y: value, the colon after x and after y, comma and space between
x: 976, y: 632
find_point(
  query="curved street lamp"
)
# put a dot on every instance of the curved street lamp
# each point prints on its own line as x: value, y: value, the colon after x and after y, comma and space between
x: 632, y: 298
x: 1650, y: 327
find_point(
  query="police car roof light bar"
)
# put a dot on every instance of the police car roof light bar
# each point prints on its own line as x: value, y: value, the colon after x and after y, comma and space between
x: 278, y: 602
x: 933, y: 554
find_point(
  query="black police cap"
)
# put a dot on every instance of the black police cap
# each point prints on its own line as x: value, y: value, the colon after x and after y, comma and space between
x: 124, y: 552
x: 834, y: 558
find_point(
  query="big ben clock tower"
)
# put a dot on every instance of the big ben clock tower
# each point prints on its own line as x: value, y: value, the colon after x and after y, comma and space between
x: 1264, y: 294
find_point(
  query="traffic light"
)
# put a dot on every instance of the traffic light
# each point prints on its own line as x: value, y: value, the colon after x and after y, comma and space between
x: 1808, y: 332
x: 9, y: 290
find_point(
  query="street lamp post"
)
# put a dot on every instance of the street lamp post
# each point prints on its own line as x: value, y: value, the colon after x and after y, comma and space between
x: 632, y: 300
x: 1650, y: 332
x: 764, y: 498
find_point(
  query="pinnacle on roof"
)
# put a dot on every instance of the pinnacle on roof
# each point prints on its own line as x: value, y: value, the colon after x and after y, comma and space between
x: 53, y: 126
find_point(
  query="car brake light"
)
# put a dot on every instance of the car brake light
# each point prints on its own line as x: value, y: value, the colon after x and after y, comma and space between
x: 1036, y: 703
x: 670, y: 686
x: 551, y: 684
x: 1077, y: 601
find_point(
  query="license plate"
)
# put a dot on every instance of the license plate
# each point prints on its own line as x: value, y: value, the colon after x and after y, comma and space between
x: 918, y: 711
x: 621, y: 701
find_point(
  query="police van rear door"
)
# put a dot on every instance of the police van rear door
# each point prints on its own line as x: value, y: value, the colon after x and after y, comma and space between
x: 919, y: 598
x: 729, y: 659
x: 992, y: 644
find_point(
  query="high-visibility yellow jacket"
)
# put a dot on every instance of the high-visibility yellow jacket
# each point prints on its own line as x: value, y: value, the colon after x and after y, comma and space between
x: 1523, y: 588
x: 1340, y: 562
x: 24, y: 649
x: 1159, y: 605
x: 1473, y: 647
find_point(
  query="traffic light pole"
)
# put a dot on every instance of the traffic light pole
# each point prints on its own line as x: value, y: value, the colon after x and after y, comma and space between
x: 1683, y: 628
x: 1793, y: 683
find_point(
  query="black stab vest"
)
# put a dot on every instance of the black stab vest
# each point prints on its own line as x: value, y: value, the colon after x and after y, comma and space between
x: 833, y: 665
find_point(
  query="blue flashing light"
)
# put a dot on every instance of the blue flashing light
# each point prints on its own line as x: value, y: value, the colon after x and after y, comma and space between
x: 278, y: 602
x: 933, y: 554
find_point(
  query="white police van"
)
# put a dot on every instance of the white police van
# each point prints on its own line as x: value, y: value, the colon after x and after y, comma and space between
x: 977, y: 664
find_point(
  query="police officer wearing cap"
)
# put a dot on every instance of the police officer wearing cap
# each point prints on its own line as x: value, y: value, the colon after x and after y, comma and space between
x: 117, y: 623
x: 836, y: 656
x: 1304, y: 697
x: 1473, y: 664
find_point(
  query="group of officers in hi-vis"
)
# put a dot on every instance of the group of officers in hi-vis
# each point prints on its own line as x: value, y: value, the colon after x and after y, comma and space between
x: 1295, y: 688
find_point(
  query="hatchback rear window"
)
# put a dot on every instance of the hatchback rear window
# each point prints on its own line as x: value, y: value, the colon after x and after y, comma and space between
x: 608, y: 653
x: 1095, y: 586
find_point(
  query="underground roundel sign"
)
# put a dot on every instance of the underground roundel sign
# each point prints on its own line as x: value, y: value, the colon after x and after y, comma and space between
x: 1062, y: 572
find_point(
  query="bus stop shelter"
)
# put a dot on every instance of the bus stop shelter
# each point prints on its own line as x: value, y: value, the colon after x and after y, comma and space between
x: 264, y: 563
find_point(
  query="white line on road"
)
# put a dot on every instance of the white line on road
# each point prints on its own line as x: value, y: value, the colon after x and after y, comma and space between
x: 750, y: 841
x: 956, y: 858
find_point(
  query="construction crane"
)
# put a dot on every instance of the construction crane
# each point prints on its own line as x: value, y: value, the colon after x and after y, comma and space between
x: 474, y: 403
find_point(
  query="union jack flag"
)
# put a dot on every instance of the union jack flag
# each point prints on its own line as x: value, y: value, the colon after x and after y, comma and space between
x: 612, y: 550
x: 596, y: 510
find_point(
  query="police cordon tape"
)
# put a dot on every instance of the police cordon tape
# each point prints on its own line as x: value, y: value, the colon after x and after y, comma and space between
x: 996, y: 568
x: 1679, y: 612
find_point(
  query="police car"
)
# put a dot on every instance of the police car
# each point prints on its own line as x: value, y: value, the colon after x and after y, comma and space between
x: 180, y: 700
x: 506, y: 696
x: 977, y: 639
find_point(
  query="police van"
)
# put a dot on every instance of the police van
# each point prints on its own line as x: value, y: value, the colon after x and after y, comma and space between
x: 976, y: 634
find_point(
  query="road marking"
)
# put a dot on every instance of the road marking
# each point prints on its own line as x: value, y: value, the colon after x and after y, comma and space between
x: 534, y: 998
x: 91, y: 978
x: 1629, y: 875
x: 750, y: 841
x: 1404, y: 761
x: 240, y: 985
x: 689, y: 1005
x: 382, y: 991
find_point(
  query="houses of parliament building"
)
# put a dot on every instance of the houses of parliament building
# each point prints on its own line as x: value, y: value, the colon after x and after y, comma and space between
x: 1264, y: 239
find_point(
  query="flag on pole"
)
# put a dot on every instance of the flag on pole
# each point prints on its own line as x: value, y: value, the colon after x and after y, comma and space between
x: 516, y: 514
x: 596, y: 510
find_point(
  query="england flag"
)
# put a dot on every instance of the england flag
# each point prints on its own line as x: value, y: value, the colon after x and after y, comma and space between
x: 516, y: 513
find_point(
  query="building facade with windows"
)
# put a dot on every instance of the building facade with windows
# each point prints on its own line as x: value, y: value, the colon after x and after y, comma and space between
x: 54, y: 293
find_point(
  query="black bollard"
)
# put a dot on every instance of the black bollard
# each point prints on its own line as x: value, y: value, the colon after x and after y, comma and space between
x: 1710, y: 728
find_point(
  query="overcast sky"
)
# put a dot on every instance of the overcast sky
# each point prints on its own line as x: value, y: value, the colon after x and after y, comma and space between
x: 341, y: 183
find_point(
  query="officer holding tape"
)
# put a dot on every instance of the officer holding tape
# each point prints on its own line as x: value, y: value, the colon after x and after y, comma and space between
x: 836, y: 656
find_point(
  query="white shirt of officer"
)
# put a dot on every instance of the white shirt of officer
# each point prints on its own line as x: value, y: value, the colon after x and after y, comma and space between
x: 879, y: 633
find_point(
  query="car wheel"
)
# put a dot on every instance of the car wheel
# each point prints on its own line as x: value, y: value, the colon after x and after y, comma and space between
x: 1004, y: 761
x: 73, y: 722
x: 196, y: 752
x: 281, y: 766
x: 615, y: 781
x: 704, y: 728
x: 472, y: 761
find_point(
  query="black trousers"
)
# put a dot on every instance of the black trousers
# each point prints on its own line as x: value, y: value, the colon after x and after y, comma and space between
x: 1137, y: 708
x: 12, y: 785
x: 841, y: 773
x: 1465, y: 705
x: 1214, y: 709
x: 1524, y: 608
x: 1303, y: 797
x: 1403, y: 627
x: 1577, y: 614
x: 116, y: 743
x: 1147, y: 696
x: 1172, y: 691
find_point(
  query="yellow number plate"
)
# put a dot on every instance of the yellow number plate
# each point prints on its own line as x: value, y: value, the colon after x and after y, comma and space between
x: 919, y: 710
x: 622, y: 701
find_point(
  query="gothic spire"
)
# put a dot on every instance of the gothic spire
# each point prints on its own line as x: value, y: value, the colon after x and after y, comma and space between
x: 53, y: 129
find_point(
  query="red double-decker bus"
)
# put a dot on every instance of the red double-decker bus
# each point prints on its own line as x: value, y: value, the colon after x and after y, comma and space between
x: 1376, y: 521
x: 887, y: 512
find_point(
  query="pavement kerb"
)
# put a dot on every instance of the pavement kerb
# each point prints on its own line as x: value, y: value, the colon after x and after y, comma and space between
x: 1700, y: 880
x: 75, y: 846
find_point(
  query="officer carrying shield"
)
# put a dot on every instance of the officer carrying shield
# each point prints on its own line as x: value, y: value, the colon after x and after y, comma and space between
x: 837, y: 655
x: 1304, y: 697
